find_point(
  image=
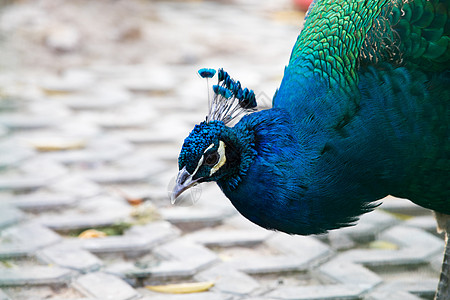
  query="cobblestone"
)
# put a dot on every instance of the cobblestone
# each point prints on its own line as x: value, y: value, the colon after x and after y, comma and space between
x: 318, y: 292
x: 36, y: 275
x: 67, y: 256
x: 104, y: 286
x: 90, y: 132
x: 25, y: 239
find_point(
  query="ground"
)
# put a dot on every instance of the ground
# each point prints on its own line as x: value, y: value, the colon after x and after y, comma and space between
x: 96, y: 98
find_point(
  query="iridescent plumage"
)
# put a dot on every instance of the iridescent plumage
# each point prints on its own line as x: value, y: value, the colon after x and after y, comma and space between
x: 362, y: 112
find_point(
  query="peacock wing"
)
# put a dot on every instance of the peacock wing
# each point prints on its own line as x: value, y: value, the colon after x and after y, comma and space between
x: 414, y: 34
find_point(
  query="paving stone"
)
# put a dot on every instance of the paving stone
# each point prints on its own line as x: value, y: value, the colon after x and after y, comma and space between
x: 29, y: 175
x: 36, y: 275
x: 262, y: 264
x: 427, y: 223
x: 227, y: 238
x: 22, y: 122
x: 349, y: 273
x: 187, y: 215
x: 124, y: 244
x: 391, y: 294
x: 75, y: 186
x: 3, y: 296
x: 340, y: 241
x: 402, y: 206
x: 159, y: 231
x: 9, y: 215
x: 40, y: 201
x: 319, y: 292
x: 25, y: 239
x: 71, y: 81
x: 65, y: 255
x: 70, y: 221
x: 13, y: 152
x: 183, y: 250
x: 308, y: 248
x: 413, y: 237
x: 169, y: 270
x: 426, y: 287
x: 116, y: 175
x: 406, y: 256
x: 23, y: 183
x: 194, y: 296
x: 105, y: 286
x: 102, y: 150
x: 369, y: 226
x: 144, y: 136
x: 228, y: 280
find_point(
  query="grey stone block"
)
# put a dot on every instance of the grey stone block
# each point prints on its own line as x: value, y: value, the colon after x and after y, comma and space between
x: 111, y: 175
x: 36, y: 275
x: 427, y: 223
x: 22, y: 183
x: 406, y: 256
x: 261, y: 264
x: 188, y: 215
x: 91, y: 212
x: 369, y: 226
x: 105, y: 286
x: 348, y: 273
x: 124, y: 244
x: 102, y: 150
x: 41, y: 201
x: 75, y: 186
x: 402, y: 206
x: 170, y: 269
x: 308, y: 248
x: 227, y: 238
x: 3, y: 296
x: 25, y: 239
x: 9, y: 215
x: 21, y: 121
x: 65, y: 255
x: 426, y: 287
x: 183, y: 250
x: 13, y: 152
x: 391, y: 294
x: 70, y: 221
x: 413, y: 237
x: 195, y: 296
x: 228, y: 280
x: 318, y: 292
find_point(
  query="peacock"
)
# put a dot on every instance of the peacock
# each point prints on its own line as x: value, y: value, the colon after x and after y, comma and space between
x: 361, y: 113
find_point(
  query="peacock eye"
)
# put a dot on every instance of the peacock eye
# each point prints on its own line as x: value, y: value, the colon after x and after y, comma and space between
x: 212, y: 159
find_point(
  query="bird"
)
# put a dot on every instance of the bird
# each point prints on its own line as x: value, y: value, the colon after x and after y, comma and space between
x: 361, y: 113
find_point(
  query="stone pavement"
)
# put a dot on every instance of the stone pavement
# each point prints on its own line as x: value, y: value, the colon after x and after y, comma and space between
x: 90, y: 130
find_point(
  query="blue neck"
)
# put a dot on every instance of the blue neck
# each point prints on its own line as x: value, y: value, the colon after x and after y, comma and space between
x: 315, y: 170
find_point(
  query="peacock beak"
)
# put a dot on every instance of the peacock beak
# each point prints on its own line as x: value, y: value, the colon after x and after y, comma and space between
x: 183, y: 182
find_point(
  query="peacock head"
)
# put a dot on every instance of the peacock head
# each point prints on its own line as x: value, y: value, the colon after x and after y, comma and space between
x: 210, y: 153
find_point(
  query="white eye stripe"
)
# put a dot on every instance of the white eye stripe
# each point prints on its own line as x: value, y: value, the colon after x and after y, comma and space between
x: 222, y: 158
x: 200, y: 162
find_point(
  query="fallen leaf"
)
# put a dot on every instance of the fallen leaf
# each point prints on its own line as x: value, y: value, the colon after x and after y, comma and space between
x: 383, y: 245
x: 182, y: 288
x: 91, y: 234
x: 57, y: 144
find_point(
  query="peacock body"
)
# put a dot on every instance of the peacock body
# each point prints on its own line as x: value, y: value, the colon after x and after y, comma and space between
x: 362, y: 112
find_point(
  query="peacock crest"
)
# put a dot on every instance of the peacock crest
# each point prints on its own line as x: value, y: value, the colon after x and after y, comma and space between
x: 229, y: 100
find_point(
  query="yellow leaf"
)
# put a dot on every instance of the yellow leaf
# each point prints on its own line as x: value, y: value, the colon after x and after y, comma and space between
x: 383, y: 245
x: 57, y: 144
x: 91, y: 234
x: 182, y: 288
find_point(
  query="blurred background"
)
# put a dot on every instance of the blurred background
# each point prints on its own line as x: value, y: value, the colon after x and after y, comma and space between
x: 96, y: 98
